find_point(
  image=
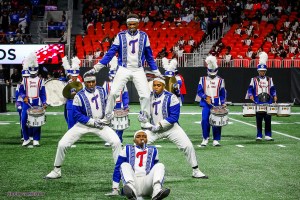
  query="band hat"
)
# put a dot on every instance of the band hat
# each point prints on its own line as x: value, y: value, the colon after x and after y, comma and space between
x: 25, y: 73
x: 169, y: 73
x: 160, y: 80
x: 73, y: 72
x: 261, y: 67
x: 132, y: 19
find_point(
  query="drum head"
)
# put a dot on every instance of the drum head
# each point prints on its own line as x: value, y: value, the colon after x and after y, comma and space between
x: 36, y: 110
x: 54, y: 94
x: 219, y: 110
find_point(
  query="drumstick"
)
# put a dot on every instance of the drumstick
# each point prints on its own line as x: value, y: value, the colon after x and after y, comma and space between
x: 29, y: 105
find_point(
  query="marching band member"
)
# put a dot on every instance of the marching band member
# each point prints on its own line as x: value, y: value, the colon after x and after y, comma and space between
x: 212, y: 91
x: 19, y: 101
x: 141, y: 172
x: 181, y: 83
x: 170, y: 67
x: 88, y: 108
x: 123, y: 99
x: 32, y: 91
x: 133, y: 47
x: 165, y: 112
x: 72, y: 71
x: 262, y: 91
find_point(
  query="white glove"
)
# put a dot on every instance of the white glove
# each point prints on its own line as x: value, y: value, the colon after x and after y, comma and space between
x: 142, y: 117
x: 156, y: 128
x: 98, y: 124
x: 98, y: 67
x: 114, y: 192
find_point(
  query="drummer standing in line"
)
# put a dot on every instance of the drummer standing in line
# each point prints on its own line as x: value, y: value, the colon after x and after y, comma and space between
x: 32, y: 91
x: 72, y: 71
x: 262, y: 91
x: 212, y: 91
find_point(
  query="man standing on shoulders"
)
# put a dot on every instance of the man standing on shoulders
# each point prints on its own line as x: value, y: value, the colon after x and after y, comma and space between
x: 133, y: 48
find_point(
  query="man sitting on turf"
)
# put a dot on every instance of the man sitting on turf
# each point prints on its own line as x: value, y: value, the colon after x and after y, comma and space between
x: 141, y: 173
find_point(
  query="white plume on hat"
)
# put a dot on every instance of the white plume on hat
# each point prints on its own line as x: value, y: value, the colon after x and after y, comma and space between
x: 75, y: 63
x: 262, y: 63
x: 169, y: 65
x: 30, y: 61
x: 211, y: 62
x: 65, y: 63
x: 212, y: 65
x: 263, y: 58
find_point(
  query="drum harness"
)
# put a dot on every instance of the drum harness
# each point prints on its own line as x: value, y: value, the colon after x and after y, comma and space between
x: 263, y: 97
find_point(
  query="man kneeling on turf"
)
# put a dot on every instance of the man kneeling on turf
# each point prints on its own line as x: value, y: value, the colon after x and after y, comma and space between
x: 141, y: 173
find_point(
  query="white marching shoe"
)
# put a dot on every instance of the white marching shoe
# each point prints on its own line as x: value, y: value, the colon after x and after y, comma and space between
x: 268, y: 138
x: 54, y: 174
x: 198, y: 174
x: 216, y: 143
x: 114, y: 192
x: 204, y: 142
x: 36, y: 143
x: 161, y: 194
x: 107, y: 144
x: 258, y: 139
x: 26, y: 142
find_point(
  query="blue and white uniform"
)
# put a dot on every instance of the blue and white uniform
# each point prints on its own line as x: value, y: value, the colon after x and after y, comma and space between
x: 34, y: 90
x: 87, y: 107
x: 165, y: 109
x: 258, y: 86
x: 122, y: 102
x: 214, y: 88
x: 139, y: 168
x: 133, y: 50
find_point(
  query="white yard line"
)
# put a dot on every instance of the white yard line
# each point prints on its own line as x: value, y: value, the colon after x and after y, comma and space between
x: 279, y: 133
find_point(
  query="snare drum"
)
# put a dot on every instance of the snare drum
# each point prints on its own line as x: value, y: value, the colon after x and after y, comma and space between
x: 284, y: 110
x: 36, y: 116
x: 120, y: 120
x: 272, y: 109
x: 218, y: 116
x: 249, y: 110
x: 261, y: 108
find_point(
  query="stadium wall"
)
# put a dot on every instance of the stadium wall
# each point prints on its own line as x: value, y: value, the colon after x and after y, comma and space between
x: 237, y: 80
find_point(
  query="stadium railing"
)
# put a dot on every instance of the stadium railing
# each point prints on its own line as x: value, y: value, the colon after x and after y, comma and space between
x: 196, y: 60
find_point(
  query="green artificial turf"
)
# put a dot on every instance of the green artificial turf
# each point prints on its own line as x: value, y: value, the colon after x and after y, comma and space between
x: 258, y: 170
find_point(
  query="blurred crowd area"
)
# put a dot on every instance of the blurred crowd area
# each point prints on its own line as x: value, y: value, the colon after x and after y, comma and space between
x: 110, y: 16
x: 16, y: 17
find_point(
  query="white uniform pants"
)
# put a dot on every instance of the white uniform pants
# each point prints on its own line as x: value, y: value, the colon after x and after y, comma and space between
x: 77, y: 131
x: 143, y: 185
x: 141, y: 84
x: 177, y: 135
